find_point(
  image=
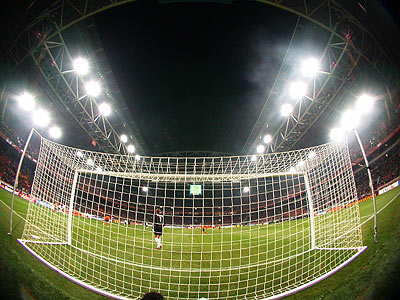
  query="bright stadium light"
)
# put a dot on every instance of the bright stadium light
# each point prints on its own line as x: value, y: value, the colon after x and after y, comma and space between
x: 311, y: 155
x: 336, y: 134
x: 79, y: 154
x: 93, y: 88
x: 260, y: 149
x: 55, y: 132
x: 292, y: 170
x: 90, y: 162
x: 137, y: 157
x: 99, y: 169
x: 365, y: 103
x: 105, y: 109
x: 26, y: 101
x: 123, y: 138
x: 297, y: 89
x: 253, y: 158
x: 267, y: 138
x: 81, y: 66
x: 246, y: 189
x: 131, y: 148
x: 350, y: 119
x: 41, y: 118
x: 310, y: 67
x: 145, y: 189
x: 286, y: 110
x: 301, y: 164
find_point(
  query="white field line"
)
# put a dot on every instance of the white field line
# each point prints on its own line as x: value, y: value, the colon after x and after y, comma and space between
x: 371, y: 216
x: 17, y: 214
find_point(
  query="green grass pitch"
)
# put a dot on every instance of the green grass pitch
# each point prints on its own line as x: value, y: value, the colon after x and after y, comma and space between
x: 203, y: 265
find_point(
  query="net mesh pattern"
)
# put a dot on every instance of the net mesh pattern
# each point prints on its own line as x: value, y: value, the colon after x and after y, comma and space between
x: 261, y: 226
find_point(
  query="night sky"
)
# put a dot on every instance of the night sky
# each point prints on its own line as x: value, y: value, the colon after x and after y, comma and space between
x: 195, y: 76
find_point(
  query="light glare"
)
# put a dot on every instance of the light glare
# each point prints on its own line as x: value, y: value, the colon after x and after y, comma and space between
x: 350, y: 119
x: 124, y: 138
x: 336, y: 134
x: 26, y: 101
x: 286, y: 110
x: 246, y: 189
x: 311, y: 154
x: 93, y: 88
x: 79, y: 154
x: 267, y: 138
x: 310, y: 67
x: 137, y: 157
x: 365, y: 103
x: 298, y: 89
x: 41, y: 118
x: 131, y: 148
x: 55, y: 132
x: 260, y: 149
x: 81, y: 66
x: 105, y: 109
x: 253, y: 158
x: 90, y: 162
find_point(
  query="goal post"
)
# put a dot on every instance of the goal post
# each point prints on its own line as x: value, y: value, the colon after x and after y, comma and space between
x: 234, y: 227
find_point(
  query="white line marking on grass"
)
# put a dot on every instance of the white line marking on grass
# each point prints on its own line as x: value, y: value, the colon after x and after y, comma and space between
x: 17, y: 214
x: 371, y: 216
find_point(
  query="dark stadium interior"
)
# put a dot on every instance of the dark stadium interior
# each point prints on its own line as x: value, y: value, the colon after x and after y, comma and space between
x: 192, y: 79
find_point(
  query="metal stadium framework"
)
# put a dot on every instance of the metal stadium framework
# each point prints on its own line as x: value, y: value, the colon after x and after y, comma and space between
x: 45, y: 41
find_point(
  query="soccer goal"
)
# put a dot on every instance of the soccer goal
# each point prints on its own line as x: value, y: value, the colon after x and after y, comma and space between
x: 238, y: 227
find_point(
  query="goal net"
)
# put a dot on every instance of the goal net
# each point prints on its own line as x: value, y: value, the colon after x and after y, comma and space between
x: 240, y: 227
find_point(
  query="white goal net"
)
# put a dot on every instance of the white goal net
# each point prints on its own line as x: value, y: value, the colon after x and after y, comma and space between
x: 242, y: 227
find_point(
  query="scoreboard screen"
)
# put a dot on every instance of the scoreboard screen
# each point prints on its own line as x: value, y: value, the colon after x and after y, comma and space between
x: 195, y: 189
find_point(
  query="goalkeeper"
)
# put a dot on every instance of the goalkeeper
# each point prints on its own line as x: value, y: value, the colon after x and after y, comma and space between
x: 158, y: 227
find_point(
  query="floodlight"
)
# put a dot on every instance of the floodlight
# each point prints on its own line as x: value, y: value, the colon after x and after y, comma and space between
x: 246, y: 189
x: 145, y: 189
x: 286, y: 110
x: 292, y: 170
x: 365, y: 103
x: 90, y: 162
x: 137, y: 157
x: 298, y: 89
x: 253, y: 158
x: 79, y: 154
x: 301, y: 164
x: 336, y: 134
x: 41, y: 118
x: 93, y: 88
x: 350, y: 119
x: 98, y: 169
x: 105, y: 109
x: 26, y: 101
x: 55, y: 132
x: 123, y: 138
x: 81, y: 66
x: 310, y: 67
x: 311, y: 155
x: 267, y: 138
x: 131, y: 148
x: 260, y: 149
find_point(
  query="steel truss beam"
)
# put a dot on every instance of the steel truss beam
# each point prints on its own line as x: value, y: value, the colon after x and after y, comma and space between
x: 43, y: 36
x: 53, y: 60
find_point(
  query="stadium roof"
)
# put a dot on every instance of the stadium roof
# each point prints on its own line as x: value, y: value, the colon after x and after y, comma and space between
x: 195, y: 76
